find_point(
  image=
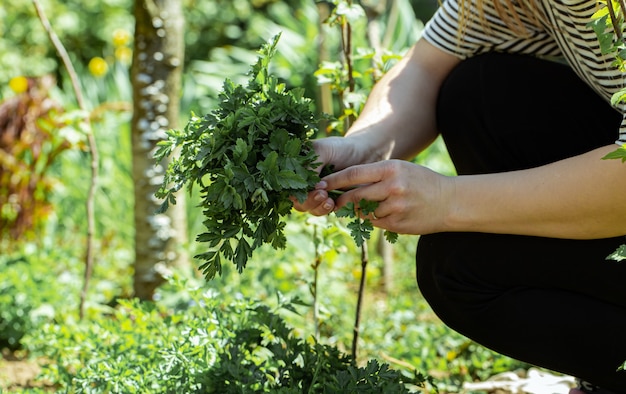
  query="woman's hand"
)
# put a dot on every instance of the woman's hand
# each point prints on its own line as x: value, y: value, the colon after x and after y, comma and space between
x: 398, y: 121
x: 412, y: 199
x: 338, y: 153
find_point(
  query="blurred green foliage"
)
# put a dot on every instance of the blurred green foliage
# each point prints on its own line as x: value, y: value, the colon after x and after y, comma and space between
x: 28, y: 296
x: 215, y: 30
x: 87, y: 27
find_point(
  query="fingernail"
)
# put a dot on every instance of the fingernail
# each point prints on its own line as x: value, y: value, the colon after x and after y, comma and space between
x: 321, y: 185
x: 319, y: 197
x: 327, y: 205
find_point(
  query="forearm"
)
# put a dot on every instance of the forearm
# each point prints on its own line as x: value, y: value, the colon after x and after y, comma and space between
x: 581, y: 198
x: 398, y: 120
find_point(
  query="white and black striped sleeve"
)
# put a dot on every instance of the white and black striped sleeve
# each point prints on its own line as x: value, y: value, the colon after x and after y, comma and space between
x: 491, y: 34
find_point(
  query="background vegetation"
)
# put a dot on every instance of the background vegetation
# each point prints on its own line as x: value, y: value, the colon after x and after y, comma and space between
x: 227, y: 334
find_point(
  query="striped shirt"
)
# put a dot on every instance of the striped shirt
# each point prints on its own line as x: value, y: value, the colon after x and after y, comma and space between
x: 562, y: 33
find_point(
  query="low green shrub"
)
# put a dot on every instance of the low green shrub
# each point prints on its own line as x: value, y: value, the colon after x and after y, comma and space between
x: 192, y: 341
x: 31, y: 294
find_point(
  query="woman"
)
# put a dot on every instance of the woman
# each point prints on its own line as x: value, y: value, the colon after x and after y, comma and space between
x: 513, y: 250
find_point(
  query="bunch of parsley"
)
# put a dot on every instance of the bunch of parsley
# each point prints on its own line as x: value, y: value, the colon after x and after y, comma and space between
x: 249, y: 156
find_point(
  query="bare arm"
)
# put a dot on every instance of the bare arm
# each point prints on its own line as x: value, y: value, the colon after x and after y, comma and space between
x: 581, y: 197
x: 398, y: 120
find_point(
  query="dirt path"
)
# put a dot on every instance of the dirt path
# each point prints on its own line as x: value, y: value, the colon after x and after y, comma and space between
x: 16, y: 372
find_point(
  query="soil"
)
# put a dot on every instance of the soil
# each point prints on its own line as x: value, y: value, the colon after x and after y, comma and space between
x: 17, y: 372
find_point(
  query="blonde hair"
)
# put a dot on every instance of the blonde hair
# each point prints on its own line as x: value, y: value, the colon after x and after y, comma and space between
x: 505, y: 9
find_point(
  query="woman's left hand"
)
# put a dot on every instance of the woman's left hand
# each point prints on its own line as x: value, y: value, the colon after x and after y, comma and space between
x: 412, y: 199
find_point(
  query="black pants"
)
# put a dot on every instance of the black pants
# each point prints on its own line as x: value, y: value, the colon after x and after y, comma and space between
x: 555, y: 303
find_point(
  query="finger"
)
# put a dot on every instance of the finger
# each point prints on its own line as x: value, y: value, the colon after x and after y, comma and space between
x: 373, y: 192
x: 324, y: 208
x: 321, y: 203
x: 317, y: 203
x: 355, y: 176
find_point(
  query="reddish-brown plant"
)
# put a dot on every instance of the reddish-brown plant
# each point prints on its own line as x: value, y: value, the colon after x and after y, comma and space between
x: 28, y: 147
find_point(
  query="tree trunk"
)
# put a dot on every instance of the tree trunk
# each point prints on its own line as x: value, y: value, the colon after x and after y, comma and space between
x: 156, y: 76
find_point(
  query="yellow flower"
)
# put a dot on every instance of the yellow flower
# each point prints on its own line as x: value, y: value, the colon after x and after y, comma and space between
x: 18, y: 84
x: 123, y: 54
x: 98, y: 67
x: 121, y: 37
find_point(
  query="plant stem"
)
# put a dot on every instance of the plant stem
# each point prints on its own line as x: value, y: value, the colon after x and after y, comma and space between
x: 622, y: 6
x: 316, y: 266
x: 325, y: 92
x: 617, y: 27
x: 346, y: 40
x: 67, y: 63
x: 359, y: 303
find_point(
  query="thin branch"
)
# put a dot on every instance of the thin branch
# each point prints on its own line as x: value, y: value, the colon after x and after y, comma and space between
x: 325, y: 92
x: 617, y: 27
x: 359, y: 302
x: 314, y: 290
x: 62, y: 52
x: 346, y: 39
x: 622, y: 6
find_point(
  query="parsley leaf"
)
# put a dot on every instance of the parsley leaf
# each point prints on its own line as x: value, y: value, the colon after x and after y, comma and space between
x: 360, y: 229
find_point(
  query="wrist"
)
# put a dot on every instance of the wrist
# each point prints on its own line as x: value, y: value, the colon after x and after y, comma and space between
x: 369, y: 145
x: 455, y: 215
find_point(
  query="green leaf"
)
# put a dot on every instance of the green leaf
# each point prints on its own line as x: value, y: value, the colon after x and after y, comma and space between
x: 618, y: 97
x: 163, y: 207
x: 619, y: 153
x: 360, y: 230
x: 367, y: 207
x: 347, y: 211
x: 269, y: 165
x: 227, y: 196
x: 279, y: 139
x: 209, y: 237
x: 293, y: 148
x: 291, y: 180
x: 352, y: 12
x: 601, y: 26
x: 619, y: 254
x: 390, y: 236
x: 241, y: 150
x: 242, y: 253
x: 260, y: 195
x: 212, y: 264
